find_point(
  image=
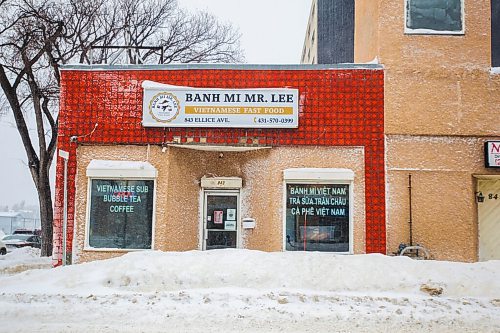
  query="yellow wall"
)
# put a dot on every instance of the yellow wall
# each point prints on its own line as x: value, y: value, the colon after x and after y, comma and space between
x: 178, y: 190
x: 443, y: 194
x: 441, y: 103
x: 365, y: 30
x: 434, y: 84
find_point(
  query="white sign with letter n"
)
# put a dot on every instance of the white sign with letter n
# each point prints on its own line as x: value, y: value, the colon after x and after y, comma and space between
x: 492, y: 154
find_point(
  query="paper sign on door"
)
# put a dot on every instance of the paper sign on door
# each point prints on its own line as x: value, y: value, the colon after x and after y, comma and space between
x: 231, y: 214
x: 218, y: 216
x: 230, y: 225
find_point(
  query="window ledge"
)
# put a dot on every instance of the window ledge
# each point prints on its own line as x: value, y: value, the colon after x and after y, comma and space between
x: 320, y: 174
x: 121, y: 169
x: 433, y: 32
x: 495, y: 71
x: 95, y: 249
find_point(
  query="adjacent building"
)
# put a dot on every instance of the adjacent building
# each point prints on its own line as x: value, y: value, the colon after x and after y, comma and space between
x: 10, y: 221
x: 329, y: 33
x: 442, y: 119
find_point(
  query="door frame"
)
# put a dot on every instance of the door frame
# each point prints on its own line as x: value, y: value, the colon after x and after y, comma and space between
x: 203, y: 210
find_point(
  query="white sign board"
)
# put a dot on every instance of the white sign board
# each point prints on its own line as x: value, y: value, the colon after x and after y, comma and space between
x: 64, y: 154
x: 492, y: 154
x: 174, y: 106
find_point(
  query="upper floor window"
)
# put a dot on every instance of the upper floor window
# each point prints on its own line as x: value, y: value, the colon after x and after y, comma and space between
x: 434, y: 17
x: 495, y: 33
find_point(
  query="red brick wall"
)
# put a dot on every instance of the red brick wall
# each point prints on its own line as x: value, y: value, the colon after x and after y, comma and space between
x: 337, y: 108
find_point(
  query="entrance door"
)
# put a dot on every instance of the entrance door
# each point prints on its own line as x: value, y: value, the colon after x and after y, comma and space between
x: 489, y: 219
x: 220, y: 219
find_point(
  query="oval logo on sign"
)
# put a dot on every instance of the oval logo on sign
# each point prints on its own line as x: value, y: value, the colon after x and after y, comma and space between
x: 164, y: 107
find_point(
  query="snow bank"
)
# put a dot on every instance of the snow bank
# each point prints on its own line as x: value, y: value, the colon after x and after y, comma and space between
x: 23, y: 259
x: 155, y: 271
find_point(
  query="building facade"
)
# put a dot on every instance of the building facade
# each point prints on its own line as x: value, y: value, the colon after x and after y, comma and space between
x: 442, y: 111
x: 330, y: 33
x: 198, y: 157
x: 10, y: 221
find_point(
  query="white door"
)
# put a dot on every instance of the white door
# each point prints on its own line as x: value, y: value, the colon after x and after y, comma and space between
x: 489, y: 219
x: 221, y: 219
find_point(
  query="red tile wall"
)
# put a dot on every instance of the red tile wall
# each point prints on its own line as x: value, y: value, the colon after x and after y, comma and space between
x: 336, y: 108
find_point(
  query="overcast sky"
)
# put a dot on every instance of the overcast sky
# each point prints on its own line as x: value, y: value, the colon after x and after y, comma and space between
x: 272, y: 33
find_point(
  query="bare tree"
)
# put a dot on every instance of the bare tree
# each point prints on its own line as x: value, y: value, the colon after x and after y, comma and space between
x: 183, y: 37
x: 38, y: 36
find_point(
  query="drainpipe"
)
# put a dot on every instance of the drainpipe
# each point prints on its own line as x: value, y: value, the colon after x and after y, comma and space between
x: 410, y: 222
x: 65, y: 156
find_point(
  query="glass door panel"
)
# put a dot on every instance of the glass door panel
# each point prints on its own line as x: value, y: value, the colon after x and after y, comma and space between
x: 221, y: 220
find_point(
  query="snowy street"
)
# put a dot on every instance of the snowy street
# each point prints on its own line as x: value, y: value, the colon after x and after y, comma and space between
x: 249, y: 291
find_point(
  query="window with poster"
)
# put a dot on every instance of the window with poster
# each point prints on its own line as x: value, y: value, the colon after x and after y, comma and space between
x: 318, y: 212
x: 120, y: 210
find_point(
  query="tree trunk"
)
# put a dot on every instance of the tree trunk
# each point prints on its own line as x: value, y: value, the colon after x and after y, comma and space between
x: 46, y: 212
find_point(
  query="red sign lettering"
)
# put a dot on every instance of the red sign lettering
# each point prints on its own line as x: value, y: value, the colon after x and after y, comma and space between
x: 495, y: 148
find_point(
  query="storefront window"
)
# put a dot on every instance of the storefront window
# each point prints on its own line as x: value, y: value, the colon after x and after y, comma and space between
x: 317, y: 217
x: 121, y: 214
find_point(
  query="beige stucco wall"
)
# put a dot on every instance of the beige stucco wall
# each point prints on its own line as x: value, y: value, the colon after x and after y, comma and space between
x: 178, y: 192
x: 441, y: 103
x: 443, y: 194
x: 365, y: 30
x: 434, y: 84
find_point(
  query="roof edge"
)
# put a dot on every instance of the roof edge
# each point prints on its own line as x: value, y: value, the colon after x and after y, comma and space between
x: 84, y: 67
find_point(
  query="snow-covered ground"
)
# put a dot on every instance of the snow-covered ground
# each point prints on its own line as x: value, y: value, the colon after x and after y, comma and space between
x: 248, y: 291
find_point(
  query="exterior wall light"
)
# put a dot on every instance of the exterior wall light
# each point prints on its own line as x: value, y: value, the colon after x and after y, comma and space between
x: 479, y: 197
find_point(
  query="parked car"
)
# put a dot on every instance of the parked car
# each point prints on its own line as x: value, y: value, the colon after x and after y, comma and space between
x: 20, y: 240
x: 3, y: 248
x: 23, y: 232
